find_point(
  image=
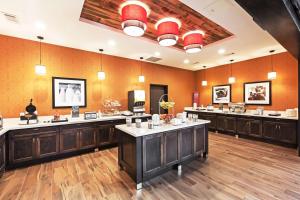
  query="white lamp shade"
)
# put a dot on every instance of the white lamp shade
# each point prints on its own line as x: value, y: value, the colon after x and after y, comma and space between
x: 134, y: 31
x: 231, y: 79
x: 101, y: 75
x: 141, y: 79
x: 40, y: 70
x: 204, y: 83
x: 272, y: 75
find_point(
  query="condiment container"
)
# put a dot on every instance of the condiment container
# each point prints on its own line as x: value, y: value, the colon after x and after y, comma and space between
x: 128, y: 121
x: 138, y: 123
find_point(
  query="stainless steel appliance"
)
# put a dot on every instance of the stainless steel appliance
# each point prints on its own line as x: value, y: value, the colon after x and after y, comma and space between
x: 90, y: 115
x: 136, y: 102
x: 237, y: 107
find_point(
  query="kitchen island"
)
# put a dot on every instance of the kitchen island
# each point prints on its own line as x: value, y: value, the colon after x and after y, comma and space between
x: 145, y: 153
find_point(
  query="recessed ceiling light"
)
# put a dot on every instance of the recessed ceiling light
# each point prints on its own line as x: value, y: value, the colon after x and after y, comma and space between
x: 40, y: 26
x: 157, y: 53
x: 186, y: 61
x: 111, y: 43
x: 221, y: 51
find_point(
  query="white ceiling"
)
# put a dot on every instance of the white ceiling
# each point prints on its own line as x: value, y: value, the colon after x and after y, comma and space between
x: 58, y: 21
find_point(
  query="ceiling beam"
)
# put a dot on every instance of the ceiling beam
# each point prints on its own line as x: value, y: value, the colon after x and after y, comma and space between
x: 279, y: 18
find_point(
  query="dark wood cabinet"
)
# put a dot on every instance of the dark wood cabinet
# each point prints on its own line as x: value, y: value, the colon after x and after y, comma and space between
x: 152, y: 154
x: 255, y: 127
x: 47, y: 144
x: 230, y: 124
x: 187, y: 143
x: 30, y: 144
x: 103, y: 135
x: 221, y: 123
x: 87, y: 137
x: 22, y: 148
x: 242, y: 126
x: 171, y: 148
x: 280, y: 131
x: 212, y: 118
x: 2, y: 154
x: 69, y: 140
x: 200, y: 140
x: 287, y: 132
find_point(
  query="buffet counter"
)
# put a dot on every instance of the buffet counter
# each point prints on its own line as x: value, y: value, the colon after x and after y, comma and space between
x: 45, y: 121
x: 250, y: 113
x: 145, y: 153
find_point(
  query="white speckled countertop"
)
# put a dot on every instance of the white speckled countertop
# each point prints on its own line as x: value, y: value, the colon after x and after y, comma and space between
x: 248, y: 113
x: 45, y: 121
x: 144, y: 130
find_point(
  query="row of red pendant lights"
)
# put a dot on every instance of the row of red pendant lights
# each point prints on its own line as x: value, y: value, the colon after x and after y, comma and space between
x: 134, y: 23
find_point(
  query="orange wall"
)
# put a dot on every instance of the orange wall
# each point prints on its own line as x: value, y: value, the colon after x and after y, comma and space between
x: 284, y: 88
x: 19, y: 82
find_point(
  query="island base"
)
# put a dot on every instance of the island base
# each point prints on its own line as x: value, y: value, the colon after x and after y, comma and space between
x: 149, y: 156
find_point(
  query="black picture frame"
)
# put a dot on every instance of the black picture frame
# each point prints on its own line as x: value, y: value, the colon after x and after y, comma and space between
x: 54, y: 102
x: 269, y: 101
x: 218, y: 86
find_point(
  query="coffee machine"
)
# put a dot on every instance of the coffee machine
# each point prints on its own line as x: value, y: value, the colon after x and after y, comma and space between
x: 136, y: 102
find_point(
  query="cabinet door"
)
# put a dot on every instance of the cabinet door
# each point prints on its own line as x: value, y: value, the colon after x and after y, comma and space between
x: 213, y: 121
x: 2, y: 154
x: 199, y: 140
x: 69, y: 140
x: 87, y: 138
x: 221, y: 123
x: 171, y: 148
x: 231, y: 124
x: 152, y: 154
x: 287, y: 132
x: 47, y: 144
x: 255, y: 127
x: 187, y: 143
x: 270, y: 130
x: 22, y: 148
x: 242, y: 126
x: 113, y: 135
x: 103, y: 135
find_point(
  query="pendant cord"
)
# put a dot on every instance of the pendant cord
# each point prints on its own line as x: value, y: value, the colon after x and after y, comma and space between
x: 141, y: 65
x: 40, y: 52
x: 231, y: 67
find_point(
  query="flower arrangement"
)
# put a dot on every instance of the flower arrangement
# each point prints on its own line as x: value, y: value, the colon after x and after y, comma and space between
x: 167, y: 117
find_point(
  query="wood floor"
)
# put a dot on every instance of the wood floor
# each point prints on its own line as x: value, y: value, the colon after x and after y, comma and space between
x: 235, y: 169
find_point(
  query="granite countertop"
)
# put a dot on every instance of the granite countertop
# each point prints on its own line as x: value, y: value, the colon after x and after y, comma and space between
x: 45, y: 121
x: 248, y: 113
x: 144, y: 130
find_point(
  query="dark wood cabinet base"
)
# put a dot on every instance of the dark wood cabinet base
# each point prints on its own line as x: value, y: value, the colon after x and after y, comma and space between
x: 148, y: 156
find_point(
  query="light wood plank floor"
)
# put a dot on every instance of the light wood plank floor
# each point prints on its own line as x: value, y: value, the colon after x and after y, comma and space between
x: 235, y: 169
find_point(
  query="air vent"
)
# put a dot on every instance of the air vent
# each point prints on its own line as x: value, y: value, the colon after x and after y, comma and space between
x: 11, y: 17
x: 153, y: 59
x: 196, y: 63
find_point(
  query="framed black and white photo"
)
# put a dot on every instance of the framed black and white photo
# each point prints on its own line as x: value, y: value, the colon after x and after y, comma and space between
x: 68, y: 92
x: 221, y: 94
x: 258, y: 93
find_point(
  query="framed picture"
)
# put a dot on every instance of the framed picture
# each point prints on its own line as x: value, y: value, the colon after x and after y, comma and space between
x: 68, y: 92
x: 258, y: 93
x: 221, y: 94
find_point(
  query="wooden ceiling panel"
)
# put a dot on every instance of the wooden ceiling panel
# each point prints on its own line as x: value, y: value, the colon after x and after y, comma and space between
x: 105, y: 12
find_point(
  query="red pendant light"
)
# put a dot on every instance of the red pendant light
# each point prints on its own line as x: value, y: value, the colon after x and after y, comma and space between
x: 168, y: 31
x: 134, y: 17
x: 193, y: 41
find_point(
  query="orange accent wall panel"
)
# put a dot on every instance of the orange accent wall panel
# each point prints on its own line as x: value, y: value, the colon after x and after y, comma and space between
x: 20, y: 84
x: 284, y: 88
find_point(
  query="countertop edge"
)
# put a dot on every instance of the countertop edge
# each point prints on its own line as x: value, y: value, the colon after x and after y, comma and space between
x: 79, y: 121
x: 133, y: 131
x: 243, y: 114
